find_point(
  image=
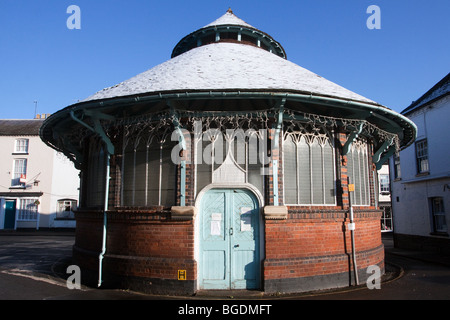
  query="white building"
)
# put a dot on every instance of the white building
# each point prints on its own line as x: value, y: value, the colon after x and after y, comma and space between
x: 38, y: 186
x: 421, y: 175
x: 384, y: 198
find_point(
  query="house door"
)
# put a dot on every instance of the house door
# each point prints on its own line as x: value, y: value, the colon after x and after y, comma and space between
x: 10, y: 214
x: 229, y: 240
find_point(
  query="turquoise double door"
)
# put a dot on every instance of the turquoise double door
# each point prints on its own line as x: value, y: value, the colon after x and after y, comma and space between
x: 229, y: 240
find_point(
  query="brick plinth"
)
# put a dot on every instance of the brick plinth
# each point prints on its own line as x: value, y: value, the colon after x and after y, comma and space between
x: 144, y: 251
x: 311, y: 249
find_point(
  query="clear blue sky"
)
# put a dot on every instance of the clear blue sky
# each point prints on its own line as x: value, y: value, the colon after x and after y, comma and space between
x: 42, y: 60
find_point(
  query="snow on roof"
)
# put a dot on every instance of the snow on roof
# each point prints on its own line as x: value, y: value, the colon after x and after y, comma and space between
x: 229, y: 18
x: 438, y: 90
x: 227, y: 66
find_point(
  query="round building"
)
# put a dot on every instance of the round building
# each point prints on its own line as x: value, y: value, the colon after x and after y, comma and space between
x: 227, y: 167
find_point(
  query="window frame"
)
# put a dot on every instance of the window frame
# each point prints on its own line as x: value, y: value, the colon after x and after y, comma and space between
x: 435, y: 213
x: 138, y: 185
x: 311, y: 141
x: 360, y: 148
x: 94, y: 183
x: 421, y: 154
x: 247, y: 150
x: 18, y: 145
x: 33, y: 215
x: 384, y: 184
x: 15, y: 174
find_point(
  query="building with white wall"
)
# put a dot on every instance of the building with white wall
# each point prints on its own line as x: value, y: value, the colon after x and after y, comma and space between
x: 421, y: 175
x: 38, y: 186
x: 384, y: 198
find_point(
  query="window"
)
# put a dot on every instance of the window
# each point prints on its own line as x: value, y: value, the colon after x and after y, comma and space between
x: 28, y: 210
x: 149, y: 174
x: 422, y: 156
x: 384, y: 183
x: 19, y: 170
x: 358, y: 172
x: 438, y: 215
x: 240, y: 156
x: 21, y: 146
x: 65, y: 209
x: 96, y: 172
x: 386, y: 218
x: 308, y: 169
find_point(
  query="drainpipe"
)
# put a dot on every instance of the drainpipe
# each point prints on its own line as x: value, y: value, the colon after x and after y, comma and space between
x: 182, y: 141
x: 276, y: 200
x: 102, y: 253
x: 109, y: 150
x: 351, y: 227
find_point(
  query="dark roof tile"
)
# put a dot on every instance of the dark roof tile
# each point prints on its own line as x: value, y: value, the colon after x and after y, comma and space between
x: 20, y: 127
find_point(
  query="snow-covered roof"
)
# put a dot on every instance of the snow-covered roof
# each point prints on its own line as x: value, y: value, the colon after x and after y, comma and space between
x: 227, y: 60
x: 227, y: 66
x: 229, y: 18
x: 439, y: 90
x: 234, y: 65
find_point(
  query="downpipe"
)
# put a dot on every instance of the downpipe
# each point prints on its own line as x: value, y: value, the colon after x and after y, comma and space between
x: 351, y: 227
x: 102, y: 253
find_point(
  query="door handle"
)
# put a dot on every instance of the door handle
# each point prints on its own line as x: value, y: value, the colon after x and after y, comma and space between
x: 231, y: 231
x: 236, y: 246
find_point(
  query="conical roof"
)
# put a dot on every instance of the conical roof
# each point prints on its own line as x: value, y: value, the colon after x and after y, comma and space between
x: 229, y: 18
x: 229, y: 28
x: 227, y: 66
x: 226, y: 62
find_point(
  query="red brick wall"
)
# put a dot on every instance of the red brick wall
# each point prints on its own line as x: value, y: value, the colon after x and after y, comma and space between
x: 311, y: 243
x: 138, y: 244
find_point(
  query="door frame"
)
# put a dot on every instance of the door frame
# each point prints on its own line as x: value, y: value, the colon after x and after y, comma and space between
x: 3, y: 213
x: 244, y: 186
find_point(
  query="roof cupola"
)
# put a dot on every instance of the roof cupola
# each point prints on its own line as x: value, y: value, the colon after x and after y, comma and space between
x: 229, y: 28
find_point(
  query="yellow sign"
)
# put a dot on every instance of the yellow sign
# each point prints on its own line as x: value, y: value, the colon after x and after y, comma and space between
x: 181, y: 274
x: 351, y: 187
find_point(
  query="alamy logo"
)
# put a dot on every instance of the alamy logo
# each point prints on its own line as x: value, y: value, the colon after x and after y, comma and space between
x: 374, y: 21
x: 74, y: 20
x: 74, y: 280
x: 251, y: 146
x: 373, y: 281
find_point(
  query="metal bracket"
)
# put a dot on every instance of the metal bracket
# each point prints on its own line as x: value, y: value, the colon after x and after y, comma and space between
x: 377, y: 155
x: 351, y: 139
x: 96, y: 116
x: 389, y: 153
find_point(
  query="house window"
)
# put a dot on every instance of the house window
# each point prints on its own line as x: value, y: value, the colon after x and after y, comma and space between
x: 65, y: 209
x: 28, y: 210
x: 438, y: 215
x: 422, y: 156
x: 358, y: 172
x: 308, y: 169
x: 19, y: 170
x: 384, y: 184
x: 386, y: 218
x: 21, y: 146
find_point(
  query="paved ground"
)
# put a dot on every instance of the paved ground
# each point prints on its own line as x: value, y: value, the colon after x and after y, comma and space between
x: 33, y: 266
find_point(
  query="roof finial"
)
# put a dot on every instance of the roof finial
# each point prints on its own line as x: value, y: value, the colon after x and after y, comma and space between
x: 230, y: 11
